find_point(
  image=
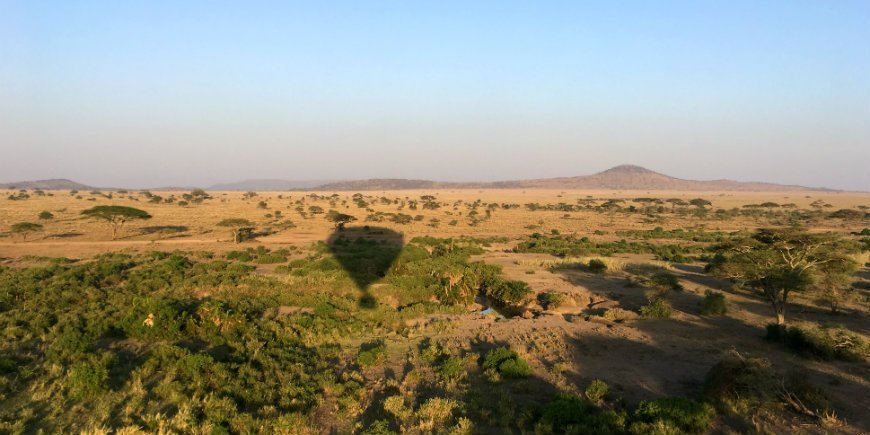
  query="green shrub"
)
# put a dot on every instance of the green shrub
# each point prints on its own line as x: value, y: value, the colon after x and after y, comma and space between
x: 506, y: 363
x: 451, y: 370
x: 678, y: 412
x: 572, y: 415
x: 379, y: 427
x: 243, y: 256
x: 552, y: 301
x: 821, y: 343
x: 597, y: 266
x: 597, y: 391
x: 87, y: 379
x: 656, y: 309
x: 666, y: 280
x: 372, y: 354
x: 713, y: 304
x: 509, y: 292
x: 739, y: 385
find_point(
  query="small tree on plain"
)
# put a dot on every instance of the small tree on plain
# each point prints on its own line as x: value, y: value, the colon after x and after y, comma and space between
x: 238, y: 226
x: 339, y: 219
x: 116, y: 215
x: 46, y: 215
x: 24, y: 228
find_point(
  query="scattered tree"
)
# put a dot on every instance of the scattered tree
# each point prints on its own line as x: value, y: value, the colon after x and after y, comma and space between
x: 238, y: 226
x: 116, y: 215
x: 339, y: 219
x: 777, y: 262
x: 24, y: 228
x: 46, y: 215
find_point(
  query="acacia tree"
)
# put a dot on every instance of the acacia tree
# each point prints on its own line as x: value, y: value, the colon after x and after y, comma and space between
x: 835, y: 281
x: 777, y: 262
x: 24, y: 228
x: 238, y: 226
x: 339, y: 219
x: 116, y: 215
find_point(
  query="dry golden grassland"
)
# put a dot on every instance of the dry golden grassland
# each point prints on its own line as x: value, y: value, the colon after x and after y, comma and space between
x: 70, y: 234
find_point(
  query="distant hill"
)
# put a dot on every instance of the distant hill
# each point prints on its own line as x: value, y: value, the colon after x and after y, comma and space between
x: 54, y: 184
x: 622, y: 177
x: 268, y: 185
x: 631, y: 177
x: 383, y: 184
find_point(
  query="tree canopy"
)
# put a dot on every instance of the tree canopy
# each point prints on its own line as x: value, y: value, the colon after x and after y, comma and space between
x: 116, y: 215
x: 238, y: 226
x: 25, y: 227
x: 778, y: 261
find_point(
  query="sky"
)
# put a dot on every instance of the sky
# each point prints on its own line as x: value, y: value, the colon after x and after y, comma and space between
x: 157, y: 93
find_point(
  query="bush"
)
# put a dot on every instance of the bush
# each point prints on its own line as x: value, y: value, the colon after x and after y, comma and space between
x: 451, y: 370
x: 821, y: 343
x: 681, y: 413
x: 656, y: 309
x: 713, y: 304
x: 740, y: 385
x: 372, y: 354
x: 506, y: 363
x: 597, y: 266
x: 552, y: 301
x: 666, y: 280
x: 597, y: 391
x: 509, y: 292
x: 87, y: 380
x: 573, y: 415
x: 243, y: 256
x: 46, y: 215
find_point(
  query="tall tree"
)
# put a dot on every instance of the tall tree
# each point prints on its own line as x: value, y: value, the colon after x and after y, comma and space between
x: 116, y: 215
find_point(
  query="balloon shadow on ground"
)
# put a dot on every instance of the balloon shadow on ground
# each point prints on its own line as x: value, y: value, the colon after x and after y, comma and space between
x: 366, y: 254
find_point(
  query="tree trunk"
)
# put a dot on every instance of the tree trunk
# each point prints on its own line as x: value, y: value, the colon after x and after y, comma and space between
x: 114, y: 231
x: 779, y: 309
x: 235, y: 237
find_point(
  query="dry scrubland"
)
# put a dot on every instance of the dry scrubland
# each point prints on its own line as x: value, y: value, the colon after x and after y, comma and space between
x: 609, y: 322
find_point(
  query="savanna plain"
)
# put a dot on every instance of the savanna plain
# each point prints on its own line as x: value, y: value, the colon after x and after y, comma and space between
x: 439, y: 311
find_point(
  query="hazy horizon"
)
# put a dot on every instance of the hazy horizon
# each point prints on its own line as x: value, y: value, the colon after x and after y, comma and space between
x: 195, y: 94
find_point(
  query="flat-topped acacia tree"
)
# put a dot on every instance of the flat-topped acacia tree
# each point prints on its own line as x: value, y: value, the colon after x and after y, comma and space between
x: 116, y: 215
x: 24, y: 228
x: 237, y: 226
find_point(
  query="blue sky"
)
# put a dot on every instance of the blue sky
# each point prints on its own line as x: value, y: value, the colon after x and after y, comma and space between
x: 156, y: 93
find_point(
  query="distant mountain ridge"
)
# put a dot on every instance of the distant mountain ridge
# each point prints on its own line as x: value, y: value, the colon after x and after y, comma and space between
x: 52, y: 184
x: 622, y: 177
x: 268, y: 184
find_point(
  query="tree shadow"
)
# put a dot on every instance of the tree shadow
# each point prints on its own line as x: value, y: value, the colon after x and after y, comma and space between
x: 67, y: 235
x: 366, y: 254
x: 168, y: 231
